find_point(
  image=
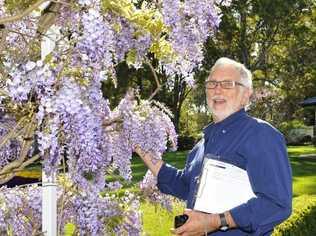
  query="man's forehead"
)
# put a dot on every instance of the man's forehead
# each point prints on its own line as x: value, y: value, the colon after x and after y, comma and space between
x: 226, y: 71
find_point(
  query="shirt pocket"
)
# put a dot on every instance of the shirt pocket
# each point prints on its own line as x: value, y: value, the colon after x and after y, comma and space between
x: 235, y: 158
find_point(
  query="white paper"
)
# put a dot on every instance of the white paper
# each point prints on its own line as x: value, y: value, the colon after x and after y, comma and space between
x: 222, y: 187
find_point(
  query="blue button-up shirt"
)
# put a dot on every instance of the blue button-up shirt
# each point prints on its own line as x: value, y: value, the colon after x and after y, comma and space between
x: 253, y: 145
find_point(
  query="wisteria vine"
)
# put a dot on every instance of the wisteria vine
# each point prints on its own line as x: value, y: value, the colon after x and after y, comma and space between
x: 73, y: 123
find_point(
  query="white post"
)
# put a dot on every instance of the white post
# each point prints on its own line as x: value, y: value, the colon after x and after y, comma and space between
x: 49, y: 184
x: 49, y: 205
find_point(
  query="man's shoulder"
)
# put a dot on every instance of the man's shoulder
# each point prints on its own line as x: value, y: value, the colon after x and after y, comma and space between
x: 262, y: 127
x: 198, y: 145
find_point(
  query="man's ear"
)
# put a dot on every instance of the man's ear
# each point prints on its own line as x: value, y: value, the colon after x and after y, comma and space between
x: 246, y: 96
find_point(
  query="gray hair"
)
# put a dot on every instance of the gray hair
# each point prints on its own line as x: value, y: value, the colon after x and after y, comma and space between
x: 245, y: 74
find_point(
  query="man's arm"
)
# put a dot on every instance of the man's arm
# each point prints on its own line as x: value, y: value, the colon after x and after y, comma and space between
x: 171, y: 180
x: 271, y: 180
x: 153, y: 164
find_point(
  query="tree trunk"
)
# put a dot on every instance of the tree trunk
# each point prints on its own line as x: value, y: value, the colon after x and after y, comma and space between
x: 175, y: 110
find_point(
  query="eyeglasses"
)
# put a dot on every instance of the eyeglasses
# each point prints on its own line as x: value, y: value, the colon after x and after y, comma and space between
x: 225, y: 84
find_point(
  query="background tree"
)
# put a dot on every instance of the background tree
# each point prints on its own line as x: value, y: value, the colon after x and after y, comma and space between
x: 276, y: 41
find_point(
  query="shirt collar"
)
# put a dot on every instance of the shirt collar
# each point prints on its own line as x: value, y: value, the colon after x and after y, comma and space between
x: 224, y: 123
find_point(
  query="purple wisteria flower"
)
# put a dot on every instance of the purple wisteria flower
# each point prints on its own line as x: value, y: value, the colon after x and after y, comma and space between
x: 65, y: 92
x: 190, y: 23
x: 10, y: 150
x: 17, y: 207
x: 152, y: 193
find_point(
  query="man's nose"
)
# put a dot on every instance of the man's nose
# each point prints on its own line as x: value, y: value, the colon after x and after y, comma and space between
x: 218, y: 88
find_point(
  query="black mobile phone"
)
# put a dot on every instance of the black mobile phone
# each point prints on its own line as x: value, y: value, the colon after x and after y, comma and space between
x: 180, y: 220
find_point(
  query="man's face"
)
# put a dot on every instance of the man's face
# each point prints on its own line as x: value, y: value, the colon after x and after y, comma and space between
x: 224, y: 102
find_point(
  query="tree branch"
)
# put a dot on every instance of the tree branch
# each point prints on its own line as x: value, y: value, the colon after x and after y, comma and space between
x: 20, y: 163
x: 48, y: 17
x: 267, y: 45
x: 2, y: 92
x: 13, y: 133
x: 269, y: 81
x: 156, y: 79
x: 187, y: 93
x: 109, y: 122
x: 3, y: 36
x: 26, y: 12
x: 11, y: 173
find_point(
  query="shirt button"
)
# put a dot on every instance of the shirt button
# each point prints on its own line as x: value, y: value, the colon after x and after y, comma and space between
x: 224, y: 131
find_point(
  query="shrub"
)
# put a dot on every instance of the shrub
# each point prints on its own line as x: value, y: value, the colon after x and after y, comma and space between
x: 294, y: 132
x: 303, y: 219
x: 314, y: 140
x: 286, y: 126
x: 186, y: 142
x: 306, y: 139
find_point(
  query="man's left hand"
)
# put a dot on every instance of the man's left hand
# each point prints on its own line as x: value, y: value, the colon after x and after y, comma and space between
x: 198, y: 224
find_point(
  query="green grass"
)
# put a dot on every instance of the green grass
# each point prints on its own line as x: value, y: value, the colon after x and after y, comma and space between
x: 301, y: 150
x: 176, y: 159
x: 157, y: 221
x: 304, y: 170
x: 304, y: 175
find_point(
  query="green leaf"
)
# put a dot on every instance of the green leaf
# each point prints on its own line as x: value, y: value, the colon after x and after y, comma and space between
x: 69, y: 229
x: 131, y: 57
x: 162, y: 50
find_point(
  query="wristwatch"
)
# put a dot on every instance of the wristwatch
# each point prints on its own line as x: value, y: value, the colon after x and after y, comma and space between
x: 224, y: 225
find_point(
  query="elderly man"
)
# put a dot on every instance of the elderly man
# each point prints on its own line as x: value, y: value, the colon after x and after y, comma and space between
x: 247, y: 142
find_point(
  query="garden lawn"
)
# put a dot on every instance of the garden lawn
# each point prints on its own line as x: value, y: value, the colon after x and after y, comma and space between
x: 176, y: 159
x: 301, y: 150
x: 304, y: 169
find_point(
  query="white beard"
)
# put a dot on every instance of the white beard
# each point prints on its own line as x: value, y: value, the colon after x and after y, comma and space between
x: 219, y: 115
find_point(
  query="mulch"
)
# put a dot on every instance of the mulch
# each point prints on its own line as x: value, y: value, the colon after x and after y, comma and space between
x: 17, y: 181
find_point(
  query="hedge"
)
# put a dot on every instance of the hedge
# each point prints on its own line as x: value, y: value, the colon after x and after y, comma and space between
x: 302, y: 222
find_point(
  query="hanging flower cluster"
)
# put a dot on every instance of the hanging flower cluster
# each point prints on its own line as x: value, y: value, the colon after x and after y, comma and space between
x: 72, y: 123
